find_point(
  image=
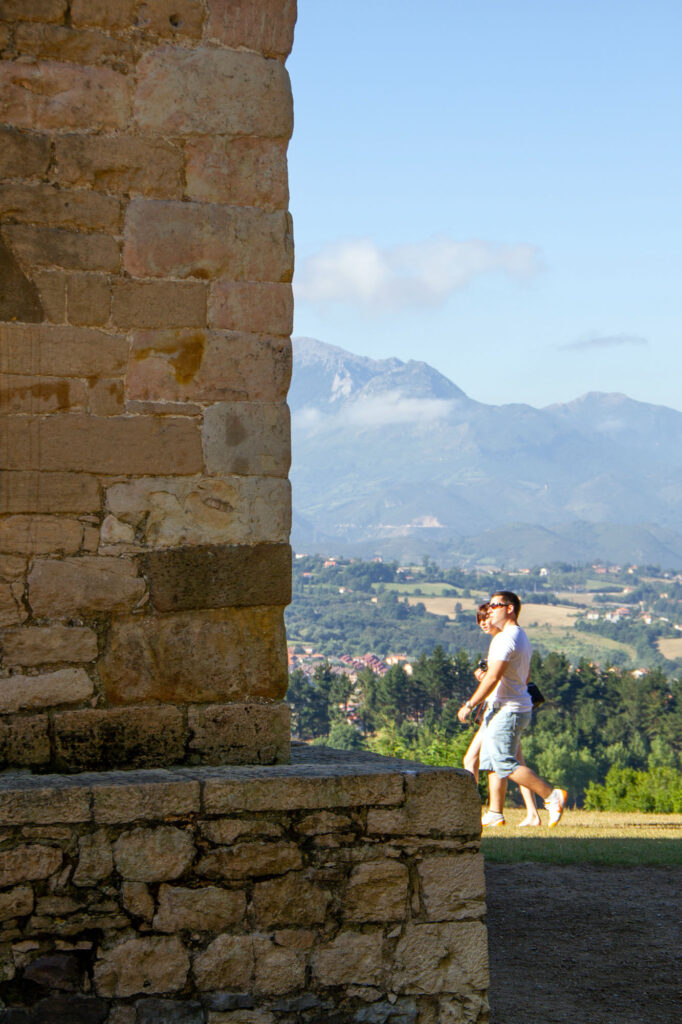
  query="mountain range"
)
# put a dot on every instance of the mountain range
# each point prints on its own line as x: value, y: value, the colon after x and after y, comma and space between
x: 391, y: 458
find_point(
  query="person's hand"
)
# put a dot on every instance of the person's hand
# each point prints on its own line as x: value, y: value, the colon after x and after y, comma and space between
x: 463, y: 714
x: 479, y: 673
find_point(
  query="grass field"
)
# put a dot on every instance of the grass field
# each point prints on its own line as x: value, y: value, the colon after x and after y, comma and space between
x: 670, y: 647
x: 428, y: 589
x: 588, y: 837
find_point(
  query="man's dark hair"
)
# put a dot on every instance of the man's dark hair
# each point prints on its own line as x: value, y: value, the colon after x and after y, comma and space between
x: 509, y: 597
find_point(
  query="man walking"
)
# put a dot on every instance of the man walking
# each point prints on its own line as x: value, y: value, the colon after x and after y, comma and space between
x: 505, y: 684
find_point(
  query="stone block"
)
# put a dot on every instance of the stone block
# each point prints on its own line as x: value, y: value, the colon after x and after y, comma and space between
x: 39, y: 395
x: 65, y: 686
x: 323, y: 823
x: 352, y: 958
x: 377, y: 891
x: 40, y: 535
x: 60, y: 971
x: 169, y: 1011
x: 103, y: 739
x: 34, y: 10
x: 138, y: 900
x: 211, y: 91
x: 88, y: 584
x: 48, y: 350
x: 208, y: 366
x: 441, y: 958
x: 12, y: 611
x: 227, y: 963
x: 95, y: 859
x: 171, y: 19
x: 12, y: 567
x: 88, y: 299
x: 26, y: 491
x: 53, y: 95
x: 57, y: 42
x: 224, y: 831
x: 291, y: 900
x: 250, y: 860
x: 23, y: 155
x: 247, y: 439
x: 28, y: 863
x: 237, y: 171
x: 151, y: 801
x: 215, y: 656
x: 295, y: 791
x: 240, y: 733
x: 266, y: 26
x: 153, y: 854
x: 208, y: 909
x: 206, y: 240
x: 106, y: 397
x: 212, y: 576
x: 51, y: 286
x: 24, y: 741
x: 277, y: 970
x: 175, y: 512
x: 103, y: 14
x: 445, y: 801
x: 159, y: 304
x: 241, y: 1017
x: 141, y: 966
x: 103, y: 444
x: 254, y: 306
x: 44, y: 805
x: 19, y: 298
x: 119, y: 164
x: 18, y: 902
x: 59, y: 208
x: 450, y: 884
x: 59, y: 247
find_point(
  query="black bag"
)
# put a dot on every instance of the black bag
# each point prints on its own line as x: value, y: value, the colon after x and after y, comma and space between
x: 535, y: 695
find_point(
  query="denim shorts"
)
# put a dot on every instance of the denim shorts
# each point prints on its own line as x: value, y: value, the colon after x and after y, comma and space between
x: 502, y: 730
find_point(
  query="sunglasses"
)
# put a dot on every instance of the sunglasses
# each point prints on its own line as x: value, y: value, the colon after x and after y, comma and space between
x: 497, y: 604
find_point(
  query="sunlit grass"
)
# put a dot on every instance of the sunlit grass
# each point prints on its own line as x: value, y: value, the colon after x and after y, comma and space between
x: 588, y: 837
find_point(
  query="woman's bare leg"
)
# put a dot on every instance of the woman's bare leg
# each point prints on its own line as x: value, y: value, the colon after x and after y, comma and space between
x: 532, y: 816
x: 473, y: 755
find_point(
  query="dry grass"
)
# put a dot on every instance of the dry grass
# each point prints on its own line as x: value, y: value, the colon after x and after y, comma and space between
x: 671, y: 647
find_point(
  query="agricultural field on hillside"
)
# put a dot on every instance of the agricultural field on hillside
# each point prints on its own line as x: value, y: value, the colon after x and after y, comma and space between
x: 670, y: 647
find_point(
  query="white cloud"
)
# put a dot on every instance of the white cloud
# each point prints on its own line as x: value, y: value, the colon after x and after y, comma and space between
x: 382, y: 410
x: 604, y: 341
x: 418, y: 273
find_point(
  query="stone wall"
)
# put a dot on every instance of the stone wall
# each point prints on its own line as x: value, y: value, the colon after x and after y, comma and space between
x: 145, y: 310
x: 340, y: 888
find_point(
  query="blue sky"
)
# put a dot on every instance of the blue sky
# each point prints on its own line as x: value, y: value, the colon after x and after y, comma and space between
x: 494, y: 186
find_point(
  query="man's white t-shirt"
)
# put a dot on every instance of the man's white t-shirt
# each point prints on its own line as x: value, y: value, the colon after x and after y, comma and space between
x: 513, y: 646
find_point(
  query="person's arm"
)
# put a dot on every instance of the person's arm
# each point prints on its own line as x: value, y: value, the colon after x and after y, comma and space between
x: 487, y: 684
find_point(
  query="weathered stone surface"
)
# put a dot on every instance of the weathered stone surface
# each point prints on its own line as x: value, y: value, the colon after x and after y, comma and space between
x: 40, y: 535
x: 12, y: 566
x: 18, y: 902
x: 24, y: 740
x: 247, y: 860
x: 34, y: 10
x: 377, y: 891
x: 87, y: 584
x: 76, y: 1009
x: 45, y: 805
x: 176, y: 512
x: 62, y: 248
x: 66, y: 686
x: 291, y: 900
x: 129, y: 738
x: 222, y: 796
x: 434, y: 958
x: 151, y: 801
x: 207, y: 909
x: 169, y: 1011
x: 49, y: 94
x: 350, y: 959
x: 144, y: 965
x: 241, y: 1017
x: 159, y: 304
x: 208, y: 366
x: 103, y: 14
x: 323, y: 823
x: 48, y: 492
x: 171, y: 18
x: 153, y: 855
x: 103, y: 444
x: 240, y: 733
x: 120, y: 164
x: 95, y: 859
x: 48, y: 350
x: 238, y: 172
x: 277, y: 970
x: 19, y: 299
x: 207, y: 91
x: 59, y: 208
x: 57, y: 42
x: 138, y: 900
x: 51, y: 285
x: 446, y: 802
x: 12, y: 612
x: 218, y: 577
x: 252, y: 306
x: 266, y: 26
x: 216, y: 656
x: 88, y: 299
x: 169, y: 239
x: 37, y: 395
x: 61, y: 971
x: 227, y: 963
x: 23, y: 155
x: 224, y: 831
x: 449, y: 884
x: 247, y: 438
x: 28, y: 863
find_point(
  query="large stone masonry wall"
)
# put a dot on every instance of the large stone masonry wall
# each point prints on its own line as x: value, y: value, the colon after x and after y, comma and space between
x: 145, y: 311
x: 341, y: 889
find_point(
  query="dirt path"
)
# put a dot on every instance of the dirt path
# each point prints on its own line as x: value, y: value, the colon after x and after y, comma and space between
x: 584, y: 945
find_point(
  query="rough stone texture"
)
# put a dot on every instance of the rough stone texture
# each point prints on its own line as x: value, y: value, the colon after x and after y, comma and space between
x: 56, y: 351
x: 350, y: 959
x: 239, y: 172
x: 252, y: 305
x: 247, y: 438
x: 106, y: 738
x: 291, y: 900
x: 51, y: 95
x: 120, y: 164
x: 16, y: 903
x: 28, y: 863
x: 449, y: 884
x: 267, y: 27
x: 423, y: 814
x: 433, y: 958
x: 87, y: 584
x: 143, y: 965
x: 38, y: 645
x: 153, y: 855
x: 48, y: 492
x: 23, y: 156
x: 208, y: 909
x: 240, y: 733
x: 95, y: 859
x: 246, y: 860
x: 377, y: 891
x: 24, y: 740
x: 66, y: 686
x: 40, y: 535
x: 158, y: 304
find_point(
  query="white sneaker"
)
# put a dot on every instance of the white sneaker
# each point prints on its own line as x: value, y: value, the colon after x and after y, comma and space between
x: 492, y: 818
x: 555, y: 804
